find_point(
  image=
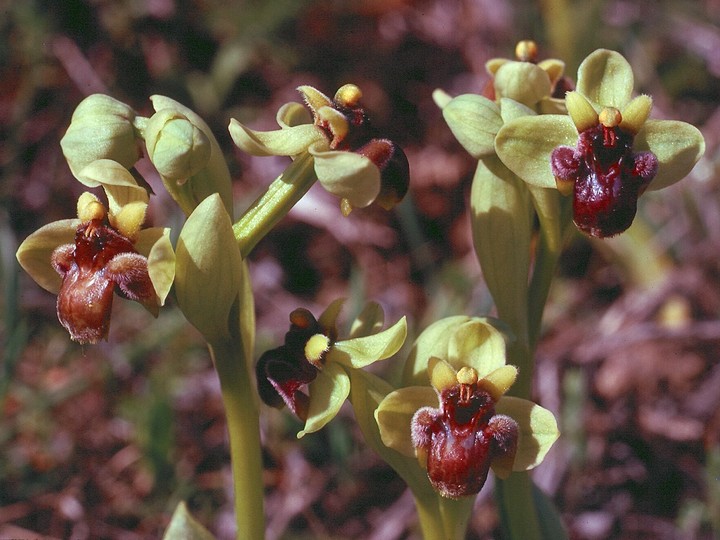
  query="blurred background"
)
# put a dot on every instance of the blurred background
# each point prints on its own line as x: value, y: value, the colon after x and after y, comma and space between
x: 103, y: 441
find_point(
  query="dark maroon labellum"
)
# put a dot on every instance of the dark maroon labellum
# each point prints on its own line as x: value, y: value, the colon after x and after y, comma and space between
x: 282, y: 372
x: 100, y: 263
x: 461, y: 439
x: 607, y: 176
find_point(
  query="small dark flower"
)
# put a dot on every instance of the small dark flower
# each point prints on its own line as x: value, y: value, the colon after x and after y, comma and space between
x: 308, y: 372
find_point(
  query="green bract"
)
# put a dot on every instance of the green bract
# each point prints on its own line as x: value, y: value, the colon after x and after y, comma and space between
x: 437, y: 360
x: 605, y: 79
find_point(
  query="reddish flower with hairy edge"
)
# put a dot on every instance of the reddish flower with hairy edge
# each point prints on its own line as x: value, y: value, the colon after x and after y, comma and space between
x: 454, y: 416
x: 606, y: 152
x: 88, y: 260
x: 308, y: 373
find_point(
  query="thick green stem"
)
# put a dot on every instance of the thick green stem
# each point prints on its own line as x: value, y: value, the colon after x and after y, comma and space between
x: 519, y: 517
x: 431, y: 521
x: 273, y: 205
x: 244, y: 430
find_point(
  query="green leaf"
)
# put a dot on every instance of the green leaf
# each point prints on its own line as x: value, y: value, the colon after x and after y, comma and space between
x: 395, y: 412
x: 474, y: 120
x: 548, y: 516
x: 35, y: 252
x: 434, y: 341
x: 208, y: 269
x: 538, y: 430
x: 502, y: 226
x: 525, y: 145
x: 362, y: 351
x: 366, y: 393
x: 327, y: 392
x: 677, y: 145
x: 606, y: 79
x: 185, y: 527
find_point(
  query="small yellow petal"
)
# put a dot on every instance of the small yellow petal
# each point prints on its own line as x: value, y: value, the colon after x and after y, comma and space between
x: 314, y: 98
x: 498, y: 382
x: 636, y: 113
x: 442, y: 375
x: 129, y: 219
x: 582, y: 113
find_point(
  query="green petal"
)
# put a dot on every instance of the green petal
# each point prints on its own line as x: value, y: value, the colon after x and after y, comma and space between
x: 395, y: 412
x: 292, y: 114
x: 327, y: 392
x: 442, y: 374
x: 441, y: 98
x: 362, y: 351
x: 433, y: 341
x: 553, y: 67
x: 474, y: 120
x: 524, y: 146
x: 328, y: 318
x: 208, y: 270
x: 677, y: 145
x: 155, y: 244
x: 522, y: 81
x: 347, y: 175
x: 538, y: 430
x: 370, y: 321
x: 606, y: 79
x: 119, y: 185
x: 479, y: 345
x: 36, y: 250
x: 511, y: 109
x: 282, y: 142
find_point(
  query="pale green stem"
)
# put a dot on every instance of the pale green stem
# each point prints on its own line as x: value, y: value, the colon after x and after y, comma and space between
x: 514, y: 498
x: 431, y: 522
x: 238, y: 396
x: 455, y: 515
x: 285, y: 191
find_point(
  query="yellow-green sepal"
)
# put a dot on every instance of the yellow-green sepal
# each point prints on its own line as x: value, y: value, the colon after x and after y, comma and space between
x: 474, y: 120
x: 327, y: 392
x: 35, y: 252
x: 394, y: 416
x: 538, y: 431
x: 362, y: 351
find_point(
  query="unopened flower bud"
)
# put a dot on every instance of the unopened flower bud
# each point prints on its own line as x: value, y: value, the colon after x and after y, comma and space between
x: 101, y: 128
x: 177, y: 147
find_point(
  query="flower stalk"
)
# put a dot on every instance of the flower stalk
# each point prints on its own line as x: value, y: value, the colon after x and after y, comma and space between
x: 238, y: 394
x: 273, y: 205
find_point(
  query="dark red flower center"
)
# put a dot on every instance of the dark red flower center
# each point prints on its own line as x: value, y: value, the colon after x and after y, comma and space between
x: 607, y: 176
x: 461, y: 439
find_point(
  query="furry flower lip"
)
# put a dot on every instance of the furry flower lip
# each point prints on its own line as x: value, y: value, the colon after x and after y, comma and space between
x: 604, y: 174
x: 458, y: 441
x: 100, y: 263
